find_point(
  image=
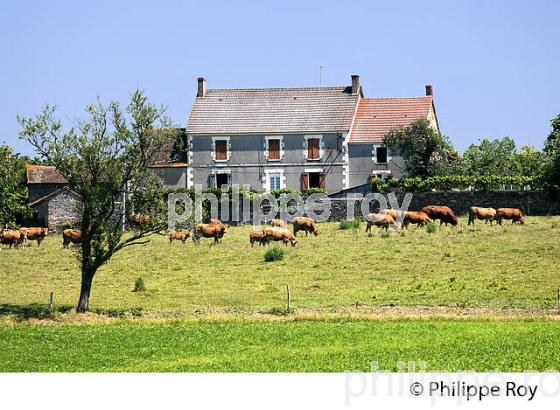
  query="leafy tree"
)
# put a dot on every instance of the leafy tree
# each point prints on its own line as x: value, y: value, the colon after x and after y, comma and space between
x: 100, y: 156
x: 528, y: 162
x: 552, y: 151
x: 490, y: 157
x: 13, y: 192
x: 426, y: 152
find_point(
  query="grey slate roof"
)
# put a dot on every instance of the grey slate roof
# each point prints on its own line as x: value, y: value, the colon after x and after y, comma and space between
x: 273, y: 110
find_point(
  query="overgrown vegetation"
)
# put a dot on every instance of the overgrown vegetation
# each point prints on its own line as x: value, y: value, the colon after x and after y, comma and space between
x: 139, y: 285
x: 349, y: 224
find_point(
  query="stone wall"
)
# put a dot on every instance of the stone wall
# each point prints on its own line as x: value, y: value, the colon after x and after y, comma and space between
x: 62, y: 210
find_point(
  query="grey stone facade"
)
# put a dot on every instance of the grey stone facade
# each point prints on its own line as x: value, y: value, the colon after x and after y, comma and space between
x: 58, y: 209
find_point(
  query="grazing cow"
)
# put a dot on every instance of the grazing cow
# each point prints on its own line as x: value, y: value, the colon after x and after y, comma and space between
x: 509, y: 213
x: 11, y: 237
x: 279, y: 234
x: 395, y: 213
x: 209, y: 231
x: 486, y: 214
x: 71, y: 236
x: 278, y: 222
x: 381, y: 220
x: 305, y: 224
x: 443, y: 213
x: 257, y: 237
x: 35, y: 234
x: 419, y: 218
x: 179, y: 236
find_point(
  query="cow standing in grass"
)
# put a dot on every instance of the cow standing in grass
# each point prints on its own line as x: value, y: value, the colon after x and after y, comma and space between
x: 179, y: 236
x: 11, y: 237
x: 509, y: 213
x: 485, y: 214
x: 35, y: 234
x: 384, y: 221
x: 279, y: 234
x: 71, y: 236
x: 305, y: 224
x: 415, y: 217
x: 211, y: 230
x: 443, y: 213
x: 257, y: 237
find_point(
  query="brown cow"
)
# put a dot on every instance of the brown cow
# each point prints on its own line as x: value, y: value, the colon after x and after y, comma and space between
x: 419, y: 218
x: 209, y: 231
x: 395, y: 213
x: 32, y: 234
x: 71, y: 236
x: 279, y: 234
x: 11, y: 237
x: 257, y: 237
x: 509, y: 213
x: 486, y: 214
x: 381, y: 220
x: 305, y: 224
x: 278, y: 222
x: 179, y: 236
x: 443, y: 213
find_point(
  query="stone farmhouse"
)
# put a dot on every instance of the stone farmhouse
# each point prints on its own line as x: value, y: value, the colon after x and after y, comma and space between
x: 316, y: 137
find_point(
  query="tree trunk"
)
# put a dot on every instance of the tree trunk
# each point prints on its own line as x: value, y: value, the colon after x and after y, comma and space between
x: 83, y: 303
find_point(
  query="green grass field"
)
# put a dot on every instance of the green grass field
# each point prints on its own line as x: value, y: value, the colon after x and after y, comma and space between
x: 283, y: 346
x: 222, y: 308
x: 489, y: 267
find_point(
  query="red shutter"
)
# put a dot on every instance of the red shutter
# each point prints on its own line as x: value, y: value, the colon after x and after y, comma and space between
x: 313, y: 148
x: 322, y: 180
x: 221, y: 150
x: 304, y: 181
x: 273, y: 149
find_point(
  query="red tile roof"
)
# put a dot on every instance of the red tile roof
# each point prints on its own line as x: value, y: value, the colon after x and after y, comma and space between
x: 375, y: 117
x: 42, y: 174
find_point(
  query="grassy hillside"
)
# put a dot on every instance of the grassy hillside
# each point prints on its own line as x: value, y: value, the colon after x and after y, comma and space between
x: 490, y: 267
x: 283, y: 346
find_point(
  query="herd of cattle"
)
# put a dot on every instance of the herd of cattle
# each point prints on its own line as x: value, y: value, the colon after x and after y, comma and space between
x: 279, y: 232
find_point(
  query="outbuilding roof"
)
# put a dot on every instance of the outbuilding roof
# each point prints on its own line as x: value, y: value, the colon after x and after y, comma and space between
x: 273, y: 110
x: 375, y: 117
x: 43, y: 174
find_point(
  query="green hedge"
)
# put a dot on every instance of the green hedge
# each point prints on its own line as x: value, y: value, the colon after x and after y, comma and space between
x: 460, y: 182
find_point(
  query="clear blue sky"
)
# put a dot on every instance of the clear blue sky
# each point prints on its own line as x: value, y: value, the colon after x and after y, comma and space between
x: 495, y: 66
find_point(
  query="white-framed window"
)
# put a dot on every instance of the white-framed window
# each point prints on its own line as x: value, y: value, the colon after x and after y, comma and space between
x: 380, y: 155
x: 221, y: 149
x: 274, y: 147
x: 313, y: 147
x: 274, y: 179
x: 220, y: 177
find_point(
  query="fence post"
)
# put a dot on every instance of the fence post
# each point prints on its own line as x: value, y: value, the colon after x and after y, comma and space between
x: 558, y: 298
x: 289, y: 299
x: 51, y: 303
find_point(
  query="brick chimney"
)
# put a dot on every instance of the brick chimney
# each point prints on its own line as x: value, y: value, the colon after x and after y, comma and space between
x: 201, y: 87
x: 355, y: 83
x: 429, y: 90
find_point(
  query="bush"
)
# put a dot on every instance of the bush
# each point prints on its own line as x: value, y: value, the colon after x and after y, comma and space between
x: 349, y: 224
x: 431, y: 227
x: 139, y: 285
x: 274, y: 254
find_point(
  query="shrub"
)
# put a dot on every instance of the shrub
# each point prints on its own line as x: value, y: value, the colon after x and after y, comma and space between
x: 274, y: 254
x: 349, y: 224
x: 139, y: 285
x: 431, y: 227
